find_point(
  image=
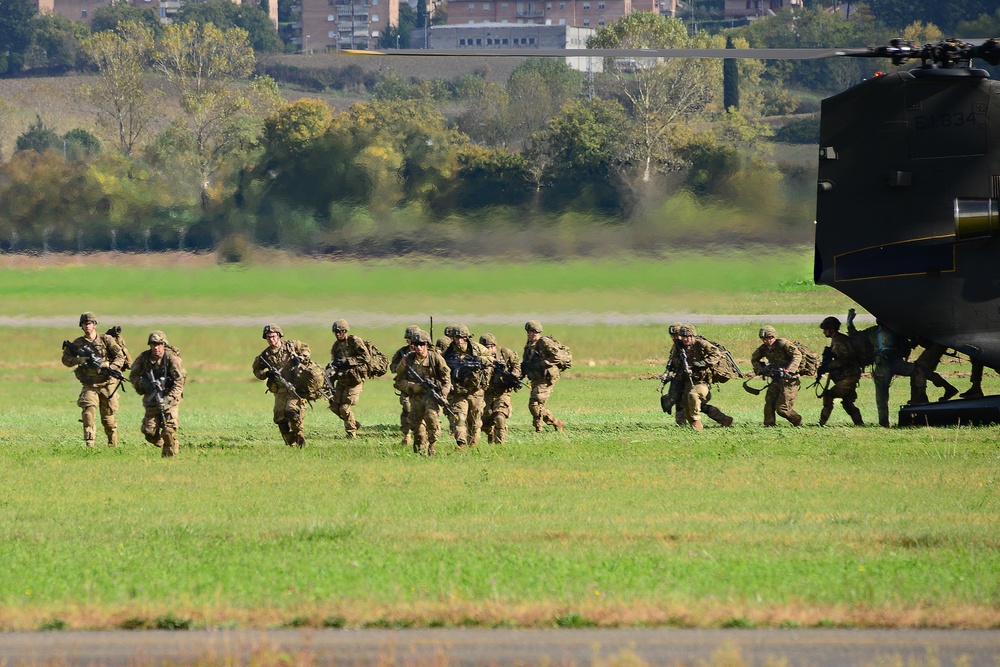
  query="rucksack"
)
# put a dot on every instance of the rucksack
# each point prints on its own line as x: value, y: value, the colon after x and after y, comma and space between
x: 726, y: 368
x: 810, y: 360
x: 560, y: 355
x: 308, y: 380
x: 864, y: 351
x: 378, y: 363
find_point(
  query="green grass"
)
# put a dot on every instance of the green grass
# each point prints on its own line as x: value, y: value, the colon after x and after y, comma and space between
x: 624, y: 520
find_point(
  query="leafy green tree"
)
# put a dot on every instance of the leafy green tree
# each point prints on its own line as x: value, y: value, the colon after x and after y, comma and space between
x: 398, y: 36
x: 224, y: 14
x: 114, y: 15
x: 80, y: 144
x: 984, y: 24
x: 293, y: 128
x: 487, y: 178
x: 39, y: 138
x: 537, y: 90
x: 57, y: 44
x: 122, y: 95
x: 224, y: 119
x: 17, y: 27
x: 661, y: 96
x: 897, y: 14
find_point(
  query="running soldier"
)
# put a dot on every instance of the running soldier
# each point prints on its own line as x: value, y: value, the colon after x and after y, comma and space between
x: 276, y: 364
x: 97, y: 361
x: 541, y: 366
x: 471, y: 367
x: 158, y: 375
x: 424, y: 376
x: 783, y: 360
x: 892, y: 353
x: 404, y: 400
x: 677, y: 384
x: 695, y: 357
x: 349, y: 360
x: 498, y: 404
x: 844, y: 372
x: 924, y: 369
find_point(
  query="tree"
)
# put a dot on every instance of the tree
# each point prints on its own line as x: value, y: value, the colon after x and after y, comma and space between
x: 79, y: 144
x: 123, y: 97
x: 17, y: 27
x: 39, y: 138
x: 57, y: 44
x: 110, y: 17
x: 204, y: 63
x: 398, y: 36
x: 661, y: 96
x: 261, y: 33
x: 537, y: 90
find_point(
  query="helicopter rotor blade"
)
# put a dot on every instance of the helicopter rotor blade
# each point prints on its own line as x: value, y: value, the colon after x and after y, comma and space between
x: 760, y: 54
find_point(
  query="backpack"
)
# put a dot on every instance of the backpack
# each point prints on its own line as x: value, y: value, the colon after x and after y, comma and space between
x: 308, y: 380
x: 864, y: 351
x: 378, y: 363
x: 726, y: 368
x: 560, y: 355
x: 810, y: 361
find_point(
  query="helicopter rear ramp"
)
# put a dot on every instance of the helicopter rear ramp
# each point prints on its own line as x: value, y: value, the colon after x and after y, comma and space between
x: 964, y: 412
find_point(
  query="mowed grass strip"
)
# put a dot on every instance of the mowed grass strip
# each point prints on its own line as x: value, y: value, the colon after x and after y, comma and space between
x: 623, y: 520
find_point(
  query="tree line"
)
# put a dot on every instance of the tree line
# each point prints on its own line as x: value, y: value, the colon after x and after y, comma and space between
x: 636, y: 157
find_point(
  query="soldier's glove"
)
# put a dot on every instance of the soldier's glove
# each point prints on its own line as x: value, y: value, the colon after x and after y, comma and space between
x: 851, y: 314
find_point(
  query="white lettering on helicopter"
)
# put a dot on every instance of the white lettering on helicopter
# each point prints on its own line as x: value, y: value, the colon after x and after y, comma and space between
x: 945, y: 120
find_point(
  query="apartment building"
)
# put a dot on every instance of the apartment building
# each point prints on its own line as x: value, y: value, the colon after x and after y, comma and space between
x: 578, y: 13
x: 756, y: 8
x: 330, y: 25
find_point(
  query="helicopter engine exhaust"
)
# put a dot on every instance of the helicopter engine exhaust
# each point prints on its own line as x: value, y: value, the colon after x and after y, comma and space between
x: 976, y: 218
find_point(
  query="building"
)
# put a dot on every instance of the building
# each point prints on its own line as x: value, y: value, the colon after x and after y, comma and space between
x: 82, y: 10
x: 577, y: 13
x: 525, y: 37
x: 756, y: 8
x: 331, y: 25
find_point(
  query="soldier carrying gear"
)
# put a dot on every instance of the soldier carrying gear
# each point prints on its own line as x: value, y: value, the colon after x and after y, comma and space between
x: 539, y: 366
x: 695, y: 357
x: 425, y: 378
x: 404, y: 400
x: 349, y: 359
x: 506, y: 378
x: 276, y: 365
x: 783, y: 359
x: 96, y: 360
x: 844, y: 372
x: 158, y: 375
x: 471, y: 367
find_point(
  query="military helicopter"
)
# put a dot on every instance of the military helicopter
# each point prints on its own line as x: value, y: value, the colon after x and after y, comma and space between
x: 908, y: 195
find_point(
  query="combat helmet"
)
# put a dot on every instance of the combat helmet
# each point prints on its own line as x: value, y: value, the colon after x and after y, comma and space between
x: 87, y: 317
x: 410, y: 330
x: 420, y: 336
x: 341, y: 325
x: 533, y: 326
x: 487, y: 339
x: 687, y: 330
x: 674, y: 329
x: 460, y: 331
x: 157, y: 338
x: 272, y: 328
x: 830, y: 323
x: 767, y: 331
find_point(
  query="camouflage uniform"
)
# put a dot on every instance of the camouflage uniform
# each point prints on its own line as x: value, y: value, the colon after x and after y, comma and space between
x: 404, y: 400
x: 680, y: 417
x: 781, y: 391
x: 468, y: 387
x: 349, y: 356
x: 425, y: 412
x: 924, y: 369
x: 702, y: 356
x: 498, y: 404
x: 543, y: 373
x: 289, y: 411
x: 99, y: 390
x: 891, y: 359
x: 159, y: 423
x: 845, y: 373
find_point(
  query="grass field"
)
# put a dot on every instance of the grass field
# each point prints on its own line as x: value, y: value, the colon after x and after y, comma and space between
x: 624, y: 520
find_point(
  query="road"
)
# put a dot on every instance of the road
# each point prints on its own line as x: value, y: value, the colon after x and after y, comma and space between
x: 452, y: 647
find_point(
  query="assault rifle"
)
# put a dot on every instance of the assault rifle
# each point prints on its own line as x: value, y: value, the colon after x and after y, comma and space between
x: 462, y: 367
x: 333, y: 371
x: 504, y: 378
x: 91, y: 358
x: 431, y: 389
x: 273, y: 374
x: 159, y: 395
x: 669, y: 400
x: 777, y: 372
x: 826, y: 360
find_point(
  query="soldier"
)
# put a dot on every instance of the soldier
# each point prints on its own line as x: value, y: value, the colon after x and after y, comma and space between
x: 424, y: 376
x: 975, y: 389
x: 276, y: 364
x: 404, y: 400
x: 497, y: 398
x: 471, y: 367
x: 695, y: 357
x: 444, y: 341
x: 348, y: 358
x: 844, y: 371
x: 158, y: 375
x: 539, y: 366
x: 891, y: 359
x: 680, y: 419
x: 97, y: 360
x: 924, y: 369
x: 783, y: 360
